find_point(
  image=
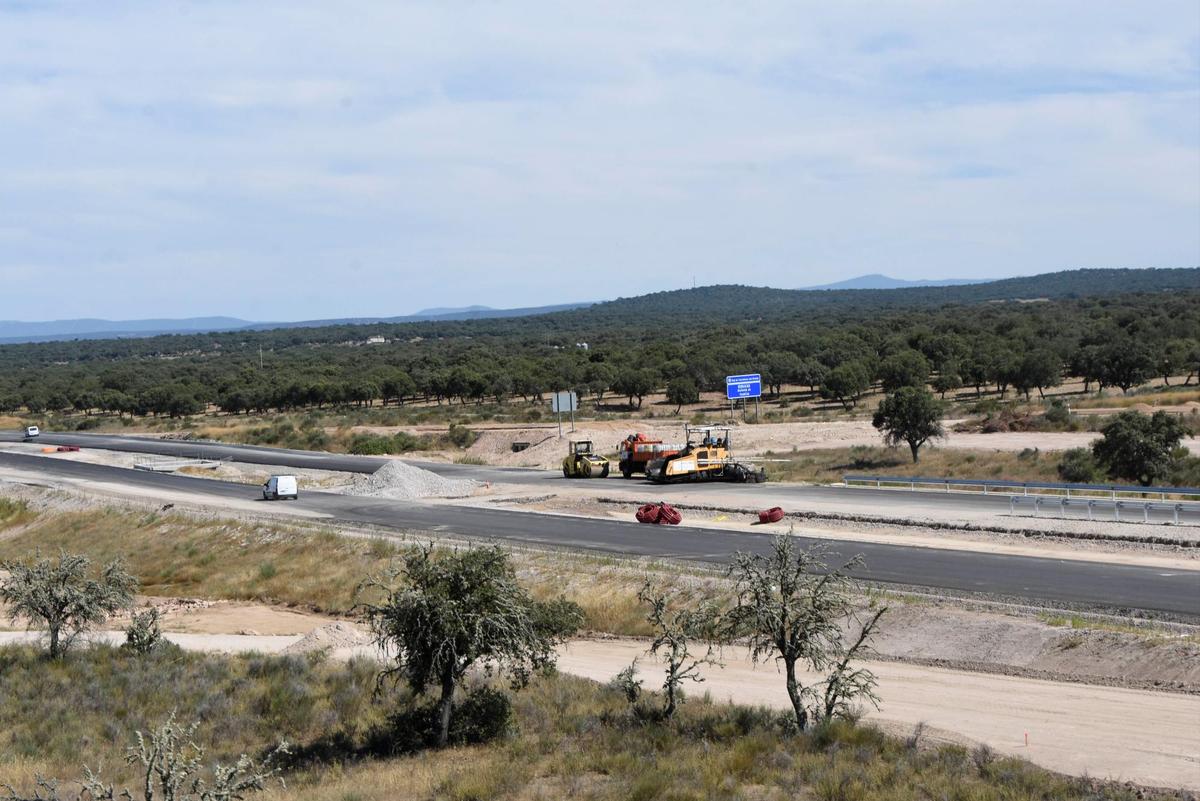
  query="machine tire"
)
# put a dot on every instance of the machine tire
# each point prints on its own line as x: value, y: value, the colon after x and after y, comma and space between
x: 604, y: 472
x: 566, y: 472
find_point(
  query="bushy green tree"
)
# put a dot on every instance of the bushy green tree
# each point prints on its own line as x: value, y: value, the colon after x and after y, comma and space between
x: 443, y: 613
x: 908, y: 368
x: 1125, y: 363
x: 910, y: 415
x: 1078, y: 466
x: 1037, y: 369
x: 634, y: 382
x: 1137, y: 447
x: 947, y: 381
x: 846, y: 383
x: 682, y: 390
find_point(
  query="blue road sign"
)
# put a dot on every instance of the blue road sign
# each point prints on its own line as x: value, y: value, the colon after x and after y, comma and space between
x: 743, y: 386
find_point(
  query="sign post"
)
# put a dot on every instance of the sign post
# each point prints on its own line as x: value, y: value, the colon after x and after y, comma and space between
x: 741, y: 387
x: 564, y: 402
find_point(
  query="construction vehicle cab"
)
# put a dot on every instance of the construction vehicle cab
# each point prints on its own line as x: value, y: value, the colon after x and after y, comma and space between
x: 582, y: 462
x: 706, y: 457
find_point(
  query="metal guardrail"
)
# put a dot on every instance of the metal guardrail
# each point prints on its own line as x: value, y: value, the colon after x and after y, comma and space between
x: 1061, y: 504
x: 1047, y: 487
x: 170, y: 464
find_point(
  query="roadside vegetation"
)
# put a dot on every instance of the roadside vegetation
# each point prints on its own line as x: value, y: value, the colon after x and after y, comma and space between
x: 568, y: 736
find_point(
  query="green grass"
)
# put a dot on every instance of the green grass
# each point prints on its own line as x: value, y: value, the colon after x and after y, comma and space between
x: 572, y: 738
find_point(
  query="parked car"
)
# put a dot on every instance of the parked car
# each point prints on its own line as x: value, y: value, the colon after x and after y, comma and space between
x: 280, y: 488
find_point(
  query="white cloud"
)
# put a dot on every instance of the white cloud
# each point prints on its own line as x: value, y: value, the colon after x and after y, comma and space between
x: 543, y: 152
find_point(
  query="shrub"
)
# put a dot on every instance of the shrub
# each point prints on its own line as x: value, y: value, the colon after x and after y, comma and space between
x: 1078, y: 466
x: 461, y: 436
x: 143, y: 634
x: 1058, y: 413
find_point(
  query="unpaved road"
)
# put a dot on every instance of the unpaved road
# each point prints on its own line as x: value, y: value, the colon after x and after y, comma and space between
x: 1127, y: 735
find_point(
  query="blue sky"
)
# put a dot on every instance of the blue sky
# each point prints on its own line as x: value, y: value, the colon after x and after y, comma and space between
x: 297, y: 160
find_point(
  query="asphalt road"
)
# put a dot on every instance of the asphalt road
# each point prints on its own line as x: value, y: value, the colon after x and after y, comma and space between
x: 1053, y: 581
x: 883, y: 502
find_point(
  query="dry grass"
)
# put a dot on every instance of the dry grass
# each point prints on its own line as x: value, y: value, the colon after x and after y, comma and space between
x: 829, y: 465
x: 176, y: 555
x: 572, y: 738
x: 1159, y: 396
x: 85, y: 707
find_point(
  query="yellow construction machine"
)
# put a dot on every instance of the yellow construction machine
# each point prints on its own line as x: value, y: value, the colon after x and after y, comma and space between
x: 706, y: 457
x: 581, y: 462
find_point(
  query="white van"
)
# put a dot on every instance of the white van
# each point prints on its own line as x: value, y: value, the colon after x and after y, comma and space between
x: 32, y: 431
x: 280, y: 487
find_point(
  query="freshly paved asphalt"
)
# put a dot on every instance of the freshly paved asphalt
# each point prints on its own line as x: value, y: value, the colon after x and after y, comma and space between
x: 882, y: 502
x: 1053, y: 581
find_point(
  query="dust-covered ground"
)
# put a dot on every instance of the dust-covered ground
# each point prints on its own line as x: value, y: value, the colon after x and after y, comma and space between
x: 495, y: 444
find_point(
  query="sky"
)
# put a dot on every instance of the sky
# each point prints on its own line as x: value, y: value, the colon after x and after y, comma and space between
x: 299, y: 160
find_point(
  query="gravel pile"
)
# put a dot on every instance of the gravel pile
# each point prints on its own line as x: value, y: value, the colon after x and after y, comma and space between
x: 329, y: 636
x: 405, y: 482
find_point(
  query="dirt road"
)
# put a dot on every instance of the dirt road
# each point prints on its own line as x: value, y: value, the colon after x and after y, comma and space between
x: 1128, y: 735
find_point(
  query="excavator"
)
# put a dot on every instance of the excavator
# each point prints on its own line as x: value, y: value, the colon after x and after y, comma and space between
x: 706, y: 457
x: 582, y: 462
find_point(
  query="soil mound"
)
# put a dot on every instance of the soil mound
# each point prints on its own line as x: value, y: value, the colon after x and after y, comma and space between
x: 405, y: 482
x: 329, y: 636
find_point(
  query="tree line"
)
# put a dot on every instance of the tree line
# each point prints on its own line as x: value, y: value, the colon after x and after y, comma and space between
x: 1120, y: 341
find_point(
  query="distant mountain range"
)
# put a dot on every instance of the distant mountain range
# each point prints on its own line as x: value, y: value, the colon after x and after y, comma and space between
x: 91, y: 328
x: 878, y: 281
x: 15, y: 331
x: 728, y: 302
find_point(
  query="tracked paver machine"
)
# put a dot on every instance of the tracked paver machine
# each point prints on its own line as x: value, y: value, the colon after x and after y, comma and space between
x: 707, y: 456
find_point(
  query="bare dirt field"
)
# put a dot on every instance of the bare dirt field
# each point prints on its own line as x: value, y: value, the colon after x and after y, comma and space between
x: 546, y: 450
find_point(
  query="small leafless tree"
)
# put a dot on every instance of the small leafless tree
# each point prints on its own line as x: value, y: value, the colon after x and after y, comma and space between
x: 172, y: 770
x: 675, y: 632
x: 59, y: 595
x: 792, y: 607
